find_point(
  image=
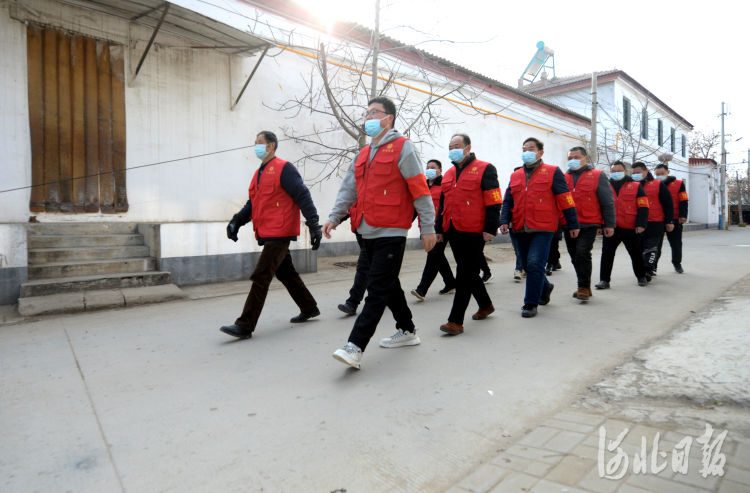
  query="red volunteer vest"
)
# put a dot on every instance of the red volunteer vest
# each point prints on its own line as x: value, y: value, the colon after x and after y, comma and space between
x: 677, y: 197
x: 275, y: 213
x: 463, y: 201
x: 585, y: 197
x: 626, y: 205
x: 534, y: 204
x: 655, y: 210
x: 435, y: 192
x: 382, y: 192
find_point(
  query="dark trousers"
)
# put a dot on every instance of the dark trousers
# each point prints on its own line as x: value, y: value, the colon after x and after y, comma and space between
x: 632, y: 243
x: 675, y: 242
x: 384, y: 257
x: 274, y: 260
x: 467, y: 249
x: 436, y: 262
x: 357, y: 292
x: 483, y: 260
x: 652, y: 237
x: 579, y: 249
x: 534, y: 249
x: 514, y: 242
x: 554, y: 249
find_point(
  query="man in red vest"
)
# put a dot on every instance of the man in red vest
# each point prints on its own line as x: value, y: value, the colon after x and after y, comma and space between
x: 277, y: 194
x: 387, y: 184
x: 436, y: 261
x: 660, y: 215
x: 680, y: 204
x: 595, y: 204
x: 631, y: 208
x: 468, y: 217
x: 535, y: 198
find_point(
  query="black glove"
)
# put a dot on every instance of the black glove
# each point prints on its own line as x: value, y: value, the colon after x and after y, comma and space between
x: 233, y: 227
x: 316, y: 234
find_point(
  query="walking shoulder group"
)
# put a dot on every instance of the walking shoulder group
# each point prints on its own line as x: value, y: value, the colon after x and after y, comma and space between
x: 386, y: 188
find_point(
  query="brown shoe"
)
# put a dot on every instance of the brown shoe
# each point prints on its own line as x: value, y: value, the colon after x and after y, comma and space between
x: 483, y: 313
x: 452, y: 328
x: 583, y: 294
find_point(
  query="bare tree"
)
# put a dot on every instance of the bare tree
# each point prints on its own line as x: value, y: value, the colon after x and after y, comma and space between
x: 346, y: 75
x: 705, y: 144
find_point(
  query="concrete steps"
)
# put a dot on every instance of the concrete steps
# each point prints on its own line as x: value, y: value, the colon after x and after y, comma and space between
x: 88, y: 265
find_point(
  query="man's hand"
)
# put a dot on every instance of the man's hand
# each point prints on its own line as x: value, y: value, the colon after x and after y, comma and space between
x: 487, y: 237
x: 233, y: 227
x: 639, y: 230
x: 608, y: 232
x: 440, y: 238
x: 683, y: 220
x: 574, y: 232
x: 327, y: 228
x: 504, y: 229
x: 315, y: 235
x: 428, y: 241
x: 670, y: 227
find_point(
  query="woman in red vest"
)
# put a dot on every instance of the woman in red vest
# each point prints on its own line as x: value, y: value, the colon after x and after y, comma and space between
x: 277, y: 194
x: 436, y: 261
x: 660, y: 216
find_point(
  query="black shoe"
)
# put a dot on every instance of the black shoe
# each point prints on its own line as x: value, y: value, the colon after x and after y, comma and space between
x: 642, y: 281
x: 348, y: 309
x: 557, y: 266
x: 548, y: 270
x: 648, y: 277
x: 237, y: 331
x: 528, y: 311
x: 447, y: 290
x: 546, y: 292
x: 602, y: 285
x: 678, y: 269
x: 304, y: 317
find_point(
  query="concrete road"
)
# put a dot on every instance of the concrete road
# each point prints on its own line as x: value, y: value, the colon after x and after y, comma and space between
x: 156, y: 399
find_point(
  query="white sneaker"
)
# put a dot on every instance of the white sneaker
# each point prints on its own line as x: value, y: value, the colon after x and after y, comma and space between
x: 517, y: 275
x: 417, y: 294
x: 400, y: 338
x: 349, y: 354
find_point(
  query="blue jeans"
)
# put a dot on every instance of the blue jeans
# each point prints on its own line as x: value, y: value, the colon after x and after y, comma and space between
x: 514, y: 242
x: 534, y: 250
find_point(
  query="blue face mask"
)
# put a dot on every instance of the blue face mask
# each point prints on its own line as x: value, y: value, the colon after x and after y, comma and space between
x: 373, y: 128
x: 637, y: 176
x: 456, y: 155
x: 528, y: 157
x: 617, y: 175
x: 430, y: 173
x: 661, y: 177
x: 260, y: 151
x: 574, y: 164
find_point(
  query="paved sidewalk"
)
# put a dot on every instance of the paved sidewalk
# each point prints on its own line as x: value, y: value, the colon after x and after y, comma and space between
x: 692, y: 383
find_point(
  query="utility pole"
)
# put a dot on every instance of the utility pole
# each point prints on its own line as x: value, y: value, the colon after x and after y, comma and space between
x: 723, y: 220
x: 375, y: 52
x: 594, y: 126
x: 739, y: 198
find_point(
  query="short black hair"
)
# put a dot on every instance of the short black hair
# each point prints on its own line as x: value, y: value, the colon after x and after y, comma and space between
x: 619, y: 163
x: 269, y: 137
x: 539, y: 143
x: 662, y: 166
x: 466, y: 139
x: 580, y: 149
x: 390, y: 108
x: 640, y: 164
x: 439, y: 164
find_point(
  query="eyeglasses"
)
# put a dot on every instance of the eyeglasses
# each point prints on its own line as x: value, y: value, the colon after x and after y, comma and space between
x: 373, y: 113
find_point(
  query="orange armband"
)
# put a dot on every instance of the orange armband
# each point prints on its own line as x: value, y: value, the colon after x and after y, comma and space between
x: 683, y: 196
x: 565, y: 201
x: 492, y: 197
x: 642, y: 202
x: 417, y: 186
